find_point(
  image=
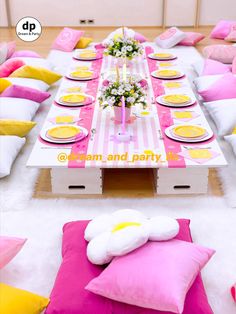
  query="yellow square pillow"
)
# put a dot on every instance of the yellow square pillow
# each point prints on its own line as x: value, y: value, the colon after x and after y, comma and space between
x: 83, y: 42
x: 15, y: 127
x: 17, y: 301
x: 4, y: 84
x: 234, y: 131
x: 28, y: 71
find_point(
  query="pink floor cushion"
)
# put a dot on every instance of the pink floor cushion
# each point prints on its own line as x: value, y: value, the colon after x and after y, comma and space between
x: 18, y: 91
x: 213, y: 67
x: 25, y: 53
x: 76, y: 272
x: 11, y: 47
x: 139, y: 37
x: 191, y: 39
x: 232, y: 35
x: 10, y: 66
x: 222, y: 29
x: 223, y: 88
x: 170, y: 38
x: 221, y: 53
x: 234, y: 66
x: 67, y: 39
x: 163, y: 287
x: 233, y: 292
x: 9, y: 247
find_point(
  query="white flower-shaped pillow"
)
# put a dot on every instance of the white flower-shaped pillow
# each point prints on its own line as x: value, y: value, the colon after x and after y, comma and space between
x: 124, y: 231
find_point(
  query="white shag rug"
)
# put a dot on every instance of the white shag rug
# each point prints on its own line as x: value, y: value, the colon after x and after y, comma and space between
x: 41, y: 221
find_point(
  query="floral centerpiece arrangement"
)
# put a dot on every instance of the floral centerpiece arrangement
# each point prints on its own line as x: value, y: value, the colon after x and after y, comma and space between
x: 112, y: 93
x: 123, y: 47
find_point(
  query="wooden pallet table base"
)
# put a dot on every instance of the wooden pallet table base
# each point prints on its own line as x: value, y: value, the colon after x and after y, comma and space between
x: 166, y: 181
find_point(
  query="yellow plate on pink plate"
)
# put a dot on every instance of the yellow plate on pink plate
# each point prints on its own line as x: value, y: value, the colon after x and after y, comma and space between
x: 88, y: 55
x: 189, y: 131
x: 200, y: 153
x: 73, y: 98
x: 167, y: 73
x: 63, y: 132
x: 176, y: 98
x: 164, y: 55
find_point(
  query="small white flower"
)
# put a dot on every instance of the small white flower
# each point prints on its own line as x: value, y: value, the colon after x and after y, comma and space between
x: 114, y: 91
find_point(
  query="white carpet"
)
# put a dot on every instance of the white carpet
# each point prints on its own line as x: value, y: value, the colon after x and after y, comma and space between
x: 41, y: 221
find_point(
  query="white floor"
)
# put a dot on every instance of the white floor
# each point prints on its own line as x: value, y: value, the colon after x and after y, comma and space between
x: 35, y: 267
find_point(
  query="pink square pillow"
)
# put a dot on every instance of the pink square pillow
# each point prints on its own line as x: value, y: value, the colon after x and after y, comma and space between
x: 18, y: 91
x: 232, y: 35
x: 158, y: 275
x: 234, y: 66
x: 139, y: 37
x: 212, y: 67
x: 191, y: 39
x: 25, y: 53
x: 69, y: 296
x: 10, y: 66
x: 222, y: 29
x: 221, y: 53
x: 67, y: 39
x: 233, y: 292
x: 11, y: 47
x: 170, y: 38
x: 223, y: 88
x: 9, y: 247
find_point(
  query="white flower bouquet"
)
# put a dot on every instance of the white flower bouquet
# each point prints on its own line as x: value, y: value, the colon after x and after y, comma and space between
x: 122, y: 47
x: 132, y: 91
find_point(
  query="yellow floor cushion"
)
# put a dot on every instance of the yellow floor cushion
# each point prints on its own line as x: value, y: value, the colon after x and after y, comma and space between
x: 15, y: 127
x: 38, y: 73
x: 4, y: 83
x: 83, y: 42
x: 17, y: 301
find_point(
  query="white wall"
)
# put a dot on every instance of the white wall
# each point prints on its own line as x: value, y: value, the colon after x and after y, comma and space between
x: 120, y: 12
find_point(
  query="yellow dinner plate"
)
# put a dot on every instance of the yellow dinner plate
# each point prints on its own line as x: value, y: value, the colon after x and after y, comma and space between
x: 167, y: 73
x: 88, y: 55
x: 200, y: 153
x: 63, y: 132
x: 82, y: 74
x: 189, y: 131
x: 64, y: 119
x: 74, y: 89
x: 176, y: 99
x: 183, y: 114
x: 173, y: 85
x: 163, y: 55
x: 73, y: 98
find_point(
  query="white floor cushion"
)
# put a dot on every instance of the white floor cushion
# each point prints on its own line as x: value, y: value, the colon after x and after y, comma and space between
x: 232, y: 140
x: 204, y: 82
x: 128, y: 31
x: 223, y: 112
x: 36, y: 62
x: 17, y: 108
x: 9, y: 147
x: 37, y: 84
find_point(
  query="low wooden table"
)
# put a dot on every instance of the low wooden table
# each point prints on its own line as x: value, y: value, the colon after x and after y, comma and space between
x: 78, y: 168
